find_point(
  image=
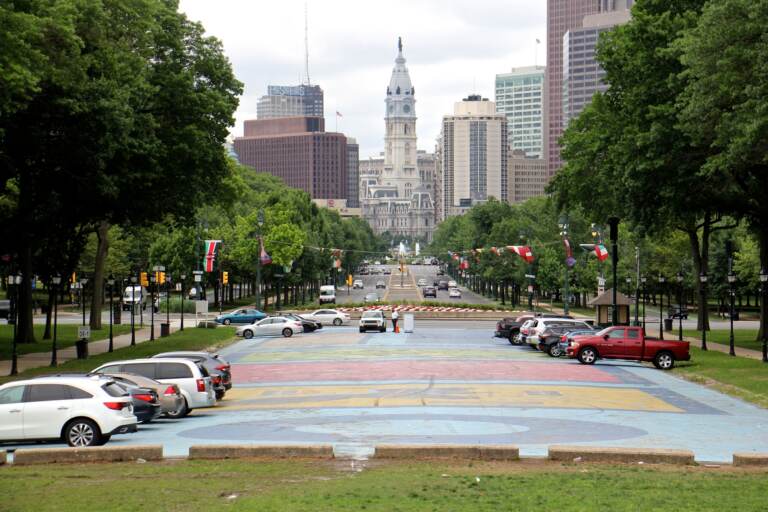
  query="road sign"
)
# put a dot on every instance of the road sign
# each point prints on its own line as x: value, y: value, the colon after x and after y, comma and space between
x: 84, y: 332
x: 158, y: 268
x: 530, y: 276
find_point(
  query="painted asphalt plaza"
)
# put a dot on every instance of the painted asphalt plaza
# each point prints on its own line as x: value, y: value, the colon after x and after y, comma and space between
x: 453, y: 385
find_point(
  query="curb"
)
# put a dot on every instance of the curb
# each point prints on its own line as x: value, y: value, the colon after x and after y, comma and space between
x: 22, y: 457
x: 234, y: 451
x: 750, y: 459
x: 622, y: 455
x: 468, y: 452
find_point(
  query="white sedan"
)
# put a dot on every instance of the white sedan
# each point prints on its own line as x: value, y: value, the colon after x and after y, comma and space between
x: 328, y: 317
x: 452, y: 284
x: 454, y: 293
x: 272, y: 326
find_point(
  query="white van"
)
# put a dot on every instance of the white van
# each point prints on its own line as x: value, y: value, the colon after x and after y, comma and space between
x: 134, y: 295
x: 328, y: 294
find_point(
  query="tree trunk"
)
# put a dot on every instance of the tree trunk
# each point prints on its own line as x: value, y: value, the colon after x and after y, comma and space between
x: 97, y: 298
x: 762, y: 333
x: 25, y: 332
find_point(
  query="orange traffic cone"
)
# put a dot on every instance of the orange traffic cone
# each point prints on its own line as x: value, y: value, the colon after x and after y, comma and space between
x: 397, y: 329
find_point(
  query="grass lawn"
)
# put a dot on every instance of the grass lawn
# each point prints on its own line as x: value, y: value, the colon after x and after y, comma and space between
x: 189, y: 339
x: 332, y: 486
x: 737, y: 376
x: 744, y: 338
x: 66, y: 335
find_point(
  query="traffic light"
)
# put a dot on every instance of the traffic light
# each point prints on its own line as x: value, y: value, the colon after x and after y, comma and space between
x: 143, y: 279
x: 225, y: 277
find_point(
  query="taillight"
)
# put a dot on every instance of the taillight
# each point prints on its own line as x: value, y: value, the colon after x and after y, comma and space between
x: 201, y: 385
x: 169, y: 391
x: 116, y: 406
x: 216, y: 379
x: 143, y: 396
x: 223, y: 367
x: 563, y: 338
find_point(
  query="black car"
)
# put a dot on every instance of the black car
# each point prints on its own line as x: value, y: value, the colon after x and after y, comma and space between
x: 508, y: 327
x: 146, y: 405
x: 549, y: 340
x: 387, y: 272
x: 442, y: 285
x: 430, y: 291
x: 212, y: 365
x: 306, y: 323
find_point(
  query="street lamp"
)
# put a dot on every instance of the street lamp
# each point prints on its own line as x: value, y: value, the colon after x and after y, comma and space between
x: 628, y: 280
x: 14, y: 315
x: 183, y: 277
x: 260, y: 222
x: 83, y: 281
x: 152, y: 281
x: 111, y: 283
x: 662, y: 280
x: 562, y: 223
x: 703, y: 280
x: 133, y: 309
x: 732, y: 293
x: 54, y: 353
x: 643, y: 280
x: 680, y: 306
x: 763, y: 295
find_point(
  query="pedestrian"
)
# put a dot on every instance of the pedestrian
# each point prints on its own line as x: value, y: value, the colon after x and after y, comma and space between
x: 395, y: 316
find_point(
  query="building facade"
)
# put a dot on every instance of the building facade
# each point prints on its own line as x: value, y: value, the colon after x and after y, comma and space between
x: 353, y: 173
x: 520, y: 97
x: 474, y: 155
x: 394, y: 198
x: 527, y: 177
x: 291, y: 101
x: 298, y: 151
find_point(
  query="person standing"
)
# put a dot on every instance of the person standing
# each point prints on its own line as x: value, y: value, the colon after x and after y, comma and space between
x: 395, y: 316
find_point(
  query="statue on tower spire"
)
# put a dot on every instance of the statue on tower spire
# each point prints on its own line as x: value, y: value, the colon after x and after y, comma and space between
x: 400, y: 44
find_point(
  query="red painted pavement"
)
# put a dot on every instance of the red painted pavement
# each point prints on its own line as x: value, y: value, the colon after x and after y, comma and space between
x: 418, y: 370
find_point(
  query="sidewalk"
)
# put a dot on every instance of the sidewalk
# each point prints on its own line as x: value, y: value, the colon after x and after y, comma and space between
x: 717, y: 347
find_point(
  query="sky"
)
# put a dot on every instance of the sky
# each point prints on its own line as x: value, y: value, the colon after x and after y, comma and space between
x: 453, y: 48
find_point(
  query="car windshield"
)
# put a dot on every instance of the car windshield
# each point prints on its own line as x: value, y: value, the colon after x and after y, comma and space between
x: 326, y: 292
x: 372, y: 314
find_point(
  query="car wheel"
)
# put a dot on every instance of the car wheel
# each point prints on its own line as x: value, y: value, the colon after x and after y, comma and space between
x: 182, y: 411
x: 248, y: 334
x: 362, y: 330
x: 82, y: 432
x: 587, y: 355
x: 554, y: 350
x: 664, y: 361
x: 287, y: 332
x: 227, y: 321
x: 337, y: 322
x: 383, y: 329
x: 219, y: 395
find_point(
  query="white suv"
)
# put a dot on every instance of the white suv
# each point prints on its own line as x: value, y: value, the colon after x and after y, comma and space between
x: 82, y: 411
x: 373, y: 319
x: 191, y: 378
x: 539, y: 325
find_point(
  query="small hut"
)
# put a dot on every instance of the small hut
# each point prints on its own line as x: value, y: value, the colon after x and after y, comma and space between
x: 603, y: 303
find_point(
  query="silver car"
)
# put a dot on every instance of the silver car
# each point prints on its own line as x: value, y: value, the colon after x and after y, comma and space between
x: 272, y: 326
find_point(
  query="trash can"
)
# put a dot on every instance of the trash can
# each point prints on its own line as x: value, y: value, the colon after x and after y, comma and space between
x: 117, y: 313
x: 408, y: 323
x: 668, y: 324
x: 165, y: 330
x: 81, y: 346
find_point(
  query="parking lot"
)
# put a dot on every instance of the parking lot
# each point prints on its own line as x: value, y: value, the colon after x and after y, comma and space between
x: 452, y: 384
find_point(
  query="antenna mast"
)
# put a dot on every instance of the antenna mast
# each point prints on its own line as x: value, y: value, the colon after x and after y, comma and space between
x: 306, y: 44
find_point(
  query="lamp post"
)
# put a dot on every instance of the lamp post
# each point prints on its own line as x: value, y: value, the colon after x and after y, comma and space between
x: 732, y: 293
x: 628, y: 280
x: 14, y: 280
x: 152, y: 281
x: 680, y: 306
x: 54, y: 352
x: 763, y: 295
x: 703, y: 280
x: 260, y: 222
x: 662, y: 279
x: 613, y: 223
x: 133, y: 308
x: 643, y: 280
x: 183, y: 277
x: 562, y: 223
x: 111, y: 283
x: 83, y: 281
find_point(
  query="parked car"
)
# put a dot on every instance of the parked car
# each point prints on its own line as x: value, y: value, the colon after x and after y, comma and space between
x: 81, y: 411
x: 452, y: 284
x: 509, y: 327
x: 381, y: 284
x: 371, y: 298
x: 307, y: 324
x: 241, y: 316
x: 568, y: 337
x: 523, y: 332
x: 454, y: 293
x: 272, y: 326
x: 373, y: 320
x: 540, y: 324
x: 191, y: 378
x: 217, y: 367
x: 146, y: 404
x: 328, y: 317
x: 442, y: 285
x: 550, y: 339
x: 676, y: 311
x: 430, y: 291
x: 619, y: 342
x: 169, y: 395
x: 357, y: 284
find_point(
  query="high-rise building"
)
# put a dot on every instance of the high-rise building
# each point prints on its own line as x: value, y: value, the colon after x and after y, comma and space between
x: 474, y: 155
x: 299, y: 151
x: 353, y: 173
x: 520, y: 97
x: 291, y: 101
x: 527, y: 177
x: 396, y: 200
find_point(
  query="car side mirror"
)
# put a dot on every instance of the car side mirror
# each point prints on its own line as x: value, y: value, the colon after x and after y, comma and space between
x: 605, y: 337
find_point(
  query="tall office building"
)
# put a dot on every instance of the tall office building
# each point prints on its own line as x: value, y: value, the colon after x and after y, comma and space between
x: 474, y: 155
x: 520, y: 97
x: 527, y: 177
x: 291, y: 101
x: 353, y: 173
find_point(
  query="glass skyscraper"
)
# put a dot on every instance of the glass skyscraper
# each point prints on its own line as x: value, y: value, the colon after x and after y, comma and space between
x: 520, y: 97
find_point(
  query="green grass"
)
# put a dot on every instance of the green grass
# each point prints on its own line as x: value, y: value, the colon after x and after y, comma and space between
x: 745, y: 338
x: 66, y: 335
x: 189, y: 339
x: 737, y: 376
x: 295, y: 486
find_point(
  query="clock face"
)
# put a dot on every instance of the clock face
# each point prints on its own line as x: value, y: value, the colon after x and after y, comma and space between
x: 406, y: 108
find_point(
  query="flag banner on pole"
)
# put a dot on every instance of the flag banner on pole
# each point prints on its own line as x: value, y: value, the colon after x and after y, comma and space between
x: 456, y: 256
x: 337, y: 263
x: 464, y: 264
x: 601, y: 252
x: 210, y: 254
x: 495, y: 251
x: 264, y: 258
x: 523, y: 251
x: 569, y: 259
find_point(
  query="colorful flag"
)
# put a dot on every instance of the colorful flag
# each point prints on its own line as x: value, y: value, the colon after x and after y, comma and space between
x: 210, y: 254
x: 601, y: 252
x: 264, y: 257
x: 569, y: 259
x: 464, y: 264
x: 523, y: 251
x: 337, y: 263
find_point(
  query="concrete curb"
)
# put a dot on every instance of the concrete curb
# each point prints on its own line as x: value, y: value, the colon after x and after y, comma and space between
x: 620, y: 455
x: 24, y: 457
x: 234, y: 451
x: 750, y: 459
x: 418, y: 452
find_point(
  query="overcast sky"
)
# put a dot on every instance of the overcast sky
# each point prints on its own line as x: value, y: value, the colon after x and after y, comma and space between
x: 452, y: 48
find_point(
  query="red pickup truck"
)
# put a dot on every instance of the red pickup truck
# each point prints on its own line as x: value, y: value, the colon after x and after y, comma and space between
x: 621, y: 342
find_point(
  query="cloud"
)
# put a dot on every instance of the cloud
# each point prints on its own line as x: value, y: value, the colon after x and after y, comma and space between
x: 453, y: 48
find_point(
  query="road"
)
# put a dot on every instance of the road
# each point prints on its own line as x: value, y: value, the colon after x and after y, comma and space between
x: 453, y: 383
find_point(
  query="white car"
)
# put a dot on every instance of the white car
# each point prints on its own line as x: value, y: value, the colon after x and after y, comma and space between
x: 452, y: 284
x: 373, y: 320
x: 422, y: 282
x: 272, y: 326
x: 191, y: 378
x: 328, y: 317
x: 454, y: 293
x: 357, y: 284
x: 82, y: 411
